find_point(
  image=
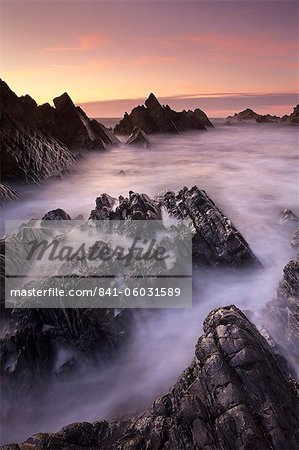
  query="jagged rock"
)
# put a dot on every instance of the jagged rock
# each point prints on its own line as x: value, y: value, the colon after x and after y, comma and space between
x: 293, y: 117
x: 139, y: 137
x: 283, y: 312
x: 234, y: 395
x: 73, y: 127
x: 267, y: 118
x: 36, y: 140
x: 7, y: 193
x: 216, y: 241
x: 136, y: 207
x: 287, y: 216
x: 295, y: 239
x: 247, y: 114
x: 250, y: 115
x: 155, y: 118
x: 27, y: 152
x: 56, y: 214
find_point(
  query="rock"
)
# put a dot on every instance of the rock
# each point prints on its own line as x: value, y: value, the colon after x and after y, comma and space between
x: 293, y: 118
x: 56, y: 214
x: 74, y: 128
x: 234, y: 395
x: 136, y: 207
x: 287, y: 216
x: 243, y: 116
x: 10, y: 447
x: 36, y: 140
x: 155, y: 118
x: 295, y: 239
x: 283, y: 312
x: 139, y: 137
x: 216, y: 241
x: 267, y: 119
x: 7, y: 194
x: 250, y: 115
x: 28, y: 153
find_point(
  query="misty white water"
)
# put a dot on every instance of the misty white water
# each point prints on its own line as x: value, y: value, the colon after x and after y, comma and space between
x: 251, y: 172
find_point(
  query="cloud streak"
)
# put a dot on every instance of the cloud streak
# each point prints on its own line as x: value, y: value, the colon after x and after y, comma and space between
x: 86, y: 42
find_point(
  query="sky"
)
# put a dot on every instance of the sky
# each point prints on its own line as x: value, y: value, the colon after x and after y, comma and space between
x: 220, y: 56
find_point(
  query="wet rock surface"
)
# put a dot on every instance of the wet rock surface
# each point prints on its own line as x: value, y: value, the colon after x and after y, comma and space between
x: 7, y: 194
x: 216, y: 241
x: 139, y: 138
x: 283, y: 312
x: 155, y: 118
x: 234, y: 395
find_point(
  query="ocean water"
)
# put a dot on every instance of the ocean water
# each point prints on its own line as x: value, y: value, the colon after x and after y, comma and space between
x: 251, y: 172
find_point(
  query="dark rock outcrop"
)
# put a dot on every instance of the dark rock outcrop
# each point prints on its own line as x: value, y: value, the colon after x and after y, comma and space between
x: 74, y: 128
x: 215, y: 242
x: 27, y: 152
x: 56, y: 214
x: 235, y: 395
x: 250, y: 115
x: 283, y: 312
x: 139, y: 138
x: 37, y: 140
x: 247, y: 114
x: 7, y: 193
x: 293, y: 117
x: 155, y: 118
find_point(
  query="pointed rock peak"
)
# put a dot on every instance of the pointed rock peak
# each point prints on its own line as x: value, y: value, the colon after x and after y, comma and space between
x: 152, y: 97
x: 152, y: 100
x: 63, y: 101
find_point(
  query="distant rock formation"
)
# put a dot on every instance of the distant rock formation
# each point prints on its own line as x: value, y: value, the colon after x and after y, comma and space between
x: 7, y: 193
x: 37, y: 140
x: 250, y: 115
x: 155, y: 118
x: 139, y: 137
x: 293, y: 117
x: 234, y: 395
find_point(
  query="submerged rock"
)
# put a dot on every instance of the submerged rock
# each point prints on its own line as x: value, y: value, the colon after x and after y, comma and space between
x: 139, y: 137
x: 295, y: 239
x: 287, y: 216
x: 234, y: 395
x: 155, y: 118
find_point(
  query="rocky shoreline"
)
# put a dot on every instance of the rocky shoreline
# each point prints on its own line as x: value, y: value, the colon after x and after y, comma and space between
x: 239, y: 392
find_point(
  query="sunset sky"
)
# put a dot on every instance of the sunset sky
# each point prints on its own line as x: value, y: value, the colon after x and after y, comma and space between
x: 221, y: 56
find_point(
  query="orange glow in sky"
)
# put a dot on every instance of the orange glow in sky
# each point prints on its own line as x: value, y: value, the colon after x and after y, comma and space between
x: 101, y: 51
